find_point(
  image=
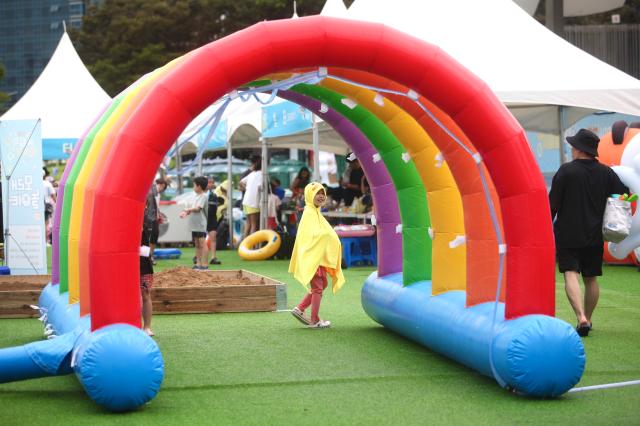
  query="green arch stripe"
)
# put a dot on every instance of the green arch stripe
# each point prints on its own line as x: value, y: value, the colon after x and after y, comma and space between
x: 67, y: 203
x: 412, y: 197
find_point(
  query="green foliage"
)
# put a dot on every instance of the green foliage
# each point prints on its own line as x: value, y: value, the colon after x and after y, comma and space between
x: 121, y: 40
x: 4, y: 97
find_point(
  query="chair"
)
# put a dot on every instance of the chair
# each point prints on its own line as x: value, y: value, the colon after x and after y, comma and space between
x: 356, y: 250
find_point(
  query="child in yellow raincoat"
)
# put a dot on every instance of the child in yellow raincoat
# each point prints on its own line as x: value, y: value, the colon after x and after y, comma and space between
x: 317, y: 253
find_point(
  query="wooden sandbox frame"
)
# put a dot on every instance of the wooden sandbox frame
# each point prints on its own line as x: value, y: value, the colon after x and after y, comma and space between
x: 264, y: 294
x: 18, y: 292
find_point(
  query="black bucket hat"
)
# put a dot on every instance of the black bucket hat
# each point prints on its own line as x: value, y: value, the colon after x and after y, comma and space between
x: 586, y: 141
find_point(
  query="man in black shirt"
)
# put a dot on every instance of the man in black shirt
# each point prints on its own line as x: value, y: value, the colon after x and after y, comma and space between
x: 578, y: 197
x: 351, y: 181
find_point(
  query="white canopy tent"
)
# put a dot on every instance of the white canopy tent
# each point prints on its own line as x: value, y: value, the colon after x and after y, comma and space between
x: 524, y: 63
x: 65, y: 97
x: 244, y: 128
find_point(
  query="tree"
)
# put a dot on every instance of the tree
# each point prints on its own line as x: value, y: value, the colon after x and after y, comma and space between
x: 4, y: 97
x: 121, y: 40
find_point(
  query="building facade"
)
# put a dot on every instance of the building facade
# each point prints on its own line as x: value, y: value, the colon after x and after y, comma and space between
x: 29, y: 33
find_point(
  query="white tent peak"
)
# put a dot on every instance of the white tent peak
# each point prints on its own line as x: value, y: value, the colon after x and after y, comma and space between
x: 521, y: 60
x: 334, y: 8
x: 65, y: 96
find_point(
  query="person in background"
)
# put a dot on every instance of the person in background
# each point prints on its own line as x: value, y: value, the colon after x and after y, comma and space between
x: 49, y: 202
x: 578, y: 197
x: 213, y: 203
x: 156, y: 190
x: 300, y: 182
x: 273, y: 209
x: 222, y: 191
x: 222, y: 233
x: 146, y: 265
x: 276, y: 188
x: 352, y: 180
x: 317, y: 252
x: 198, y: 221
x: 367, y: 199
x: 251, y: 185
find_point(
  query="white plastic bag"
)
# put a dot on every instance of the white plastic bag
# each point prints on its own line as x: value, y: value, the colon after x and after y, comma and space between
x: 616, y: 223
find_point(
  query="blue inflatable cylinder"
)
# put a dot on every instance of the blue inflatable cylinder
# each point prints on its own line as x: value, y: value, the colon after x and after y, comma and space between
x: 536, y: 355
x: 119, y: 366
x: 16, y: 364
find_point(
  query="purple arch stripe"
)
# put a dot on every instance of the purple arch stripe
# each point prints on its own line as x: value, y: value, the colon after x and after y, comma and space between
x: 55, y: 243
x: 382, y: 190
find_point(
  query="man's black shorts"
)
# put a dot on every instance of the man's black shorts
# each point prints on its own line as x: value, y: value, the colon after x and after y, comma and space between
x: 586, y: 260
x: 196, y: 234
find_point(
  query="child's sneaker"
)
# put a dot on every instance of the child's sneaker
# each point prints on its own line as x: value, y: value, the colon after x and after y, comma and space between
x: 320, y: 324
x: 296, y: 312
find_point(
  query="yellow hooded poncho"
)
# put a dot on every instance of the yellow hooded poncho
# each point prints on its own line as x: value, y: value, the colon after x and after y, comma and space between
x: 317, y: 244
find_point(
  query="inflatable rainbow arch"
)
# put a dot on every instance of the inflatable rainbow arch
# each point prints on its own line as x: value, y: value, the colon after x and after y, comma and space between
x: 466, y: 251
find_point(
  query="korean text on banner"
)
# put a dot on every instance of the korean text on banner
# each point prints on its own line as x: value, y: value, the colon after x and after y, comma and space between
x: 22, y: 196
x: 285, y: 118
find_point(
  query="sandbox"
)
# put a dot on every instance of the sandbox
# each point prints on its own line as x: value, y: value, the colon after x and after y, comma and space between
x: 176, y: 291
x: 18, y: 292
x: 183, y: 290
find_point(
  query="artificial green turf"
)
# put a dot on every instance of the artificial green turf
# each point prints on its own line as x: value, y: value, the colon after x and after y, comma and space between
x: 264, y: 368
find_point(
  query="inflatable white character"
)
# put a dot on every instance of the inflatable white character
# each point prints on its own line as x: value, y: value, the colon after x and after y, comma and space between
x: 629, y: 173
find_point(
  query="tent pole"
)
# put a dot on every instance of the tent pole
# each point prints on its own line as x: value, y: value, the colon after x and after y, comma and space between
x: 230, y: 193
x: 265, y: 185
x: 316, y: 149
x: 561, y: 129
x: 200, y: 161
x: 178, y: 167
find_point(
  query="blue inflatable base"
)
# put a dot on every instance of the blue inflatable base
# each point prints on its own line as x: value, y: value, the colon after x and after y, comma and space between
x: 535, y: 355
x: 120, y: 367
x: 167, y: 253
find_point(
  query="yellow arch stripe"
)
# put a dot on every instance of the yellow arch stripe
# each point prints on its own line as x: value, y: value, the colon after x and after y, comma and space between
x: 445, y: 202
x: 92, y: 169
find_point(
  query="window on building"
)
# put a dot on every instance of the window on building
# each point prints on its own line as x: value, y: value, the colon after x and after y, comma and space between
x: 76, y: 8
x: 54, y: 8
x: 75, y: 22
x: 55, y: 25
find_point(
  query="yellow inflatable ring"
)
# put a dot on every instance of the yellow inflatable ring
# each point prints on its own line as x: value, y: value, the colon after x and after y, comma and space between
x: 263, y: 236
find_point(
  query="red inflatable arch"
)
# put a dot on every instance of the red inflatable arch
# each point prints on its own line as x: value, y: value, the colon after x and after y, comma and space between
x: 208, y: 73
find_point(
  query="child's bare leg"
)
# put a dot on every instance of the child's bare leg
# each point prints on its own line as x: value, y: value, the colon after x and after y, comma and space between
x: 204, y: 252
x: 201, y: 252
x: 147, y: 309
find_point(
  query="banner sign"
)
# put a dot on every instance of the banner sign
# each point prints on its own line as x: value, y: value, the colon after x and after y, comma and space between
x: 22, y: 197
x: 285, y: 118
x: 57, y: 149
x: 219, y: 137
